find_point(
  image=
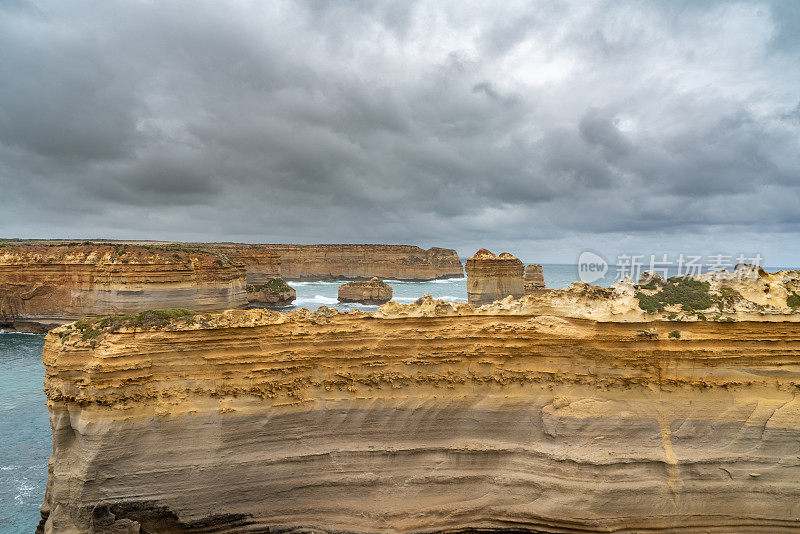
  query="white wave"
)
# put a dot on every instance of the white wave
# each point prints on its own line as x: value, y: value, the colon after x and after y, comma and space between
x: 318, y: 299
x: 448, y: 281
x: 451, y: 298
x: 24, y: 490
x: 404, y: 299
x: 12, y: 332
x: 317, y: 283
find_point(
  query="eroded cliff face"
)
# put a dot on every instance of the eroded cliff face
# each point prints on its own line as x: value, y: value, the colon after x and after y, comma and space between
x: 261, y: 263
x: 493, y: 277
x: 52, y: 284
x: 426, y: 417
x: 362, y: 262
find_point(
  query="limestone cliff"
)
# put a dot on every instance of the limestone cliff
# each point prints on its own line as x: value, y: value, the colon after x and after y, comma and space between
x: 53, y: 284
x: 374, y: 291
x: 362, y: 262
x: 261, y: 263
x: 434, y: 416
x: 491, y: 278
x: 312, y: 262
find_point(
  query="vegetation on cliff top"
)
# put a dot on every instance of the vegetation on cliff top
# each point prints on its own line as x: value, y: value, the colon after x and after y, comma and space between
x: 91, y: 328
x: 692, y: 295
x: 276, y: 285
x: 373, y: 282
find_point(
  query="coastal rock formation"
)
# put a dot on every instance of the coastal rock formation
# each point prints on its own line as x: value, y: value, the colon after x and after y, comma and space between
x: 491, y: 278
x: 41, y: 284
x: 748, y: 293
x: 274, y: 292
x: 311, y: 262
x: 534, y: 275
x: 374, y: 291
x: 533, y: 281
x: 649, y: 277
x: 433, y: 416
x: 362, y: 262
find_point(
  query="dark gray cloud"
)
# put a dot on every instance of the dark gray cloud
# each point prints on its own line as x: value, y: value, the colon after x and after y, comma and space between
x: 543, y: 128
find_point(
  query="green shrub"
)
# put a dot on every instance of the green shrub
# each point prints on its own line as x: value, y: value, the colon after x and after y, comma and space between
x: 674, y: 335
x: 727, y: 297
x: 690, y: 294
x: 649, y: 303
x: 276, y: 285
x: 86, y: 329
x: 649, y: 334
x: 90, y: 329
x: 793, y: 301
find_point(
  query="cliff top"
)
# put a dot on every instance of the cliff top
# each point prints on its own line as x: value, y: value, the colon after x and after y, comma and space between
x: 373, y: 282
x: 719, y: 296
x: 221, y: 244
x: 90, y: 253
x: 487, y: 255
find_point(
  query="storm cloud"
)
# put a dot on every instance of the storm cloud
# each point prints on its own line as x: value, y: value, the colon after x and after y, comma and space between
x: 543, y: 128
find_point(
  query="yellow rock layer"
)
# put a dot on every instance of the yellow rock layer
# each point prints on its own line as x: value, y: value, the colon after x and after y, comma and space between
x: 426, y: 417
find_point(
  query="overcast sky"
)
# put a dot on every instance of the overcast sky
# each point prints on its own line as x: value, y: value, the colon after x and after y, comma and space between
x: 541, y: 128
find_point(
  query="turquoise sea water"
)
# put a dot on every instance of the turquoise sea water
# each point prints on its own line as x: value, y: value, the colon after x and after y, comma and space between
x: 24, y: 432
x: 25, y: 428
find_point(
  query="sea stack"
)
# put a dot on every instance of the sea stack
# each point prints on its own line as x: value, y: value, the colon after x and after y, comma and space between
x: 534, y: 279
x: 374, y: 291
x: 274, y: 292
x: 491, y: 278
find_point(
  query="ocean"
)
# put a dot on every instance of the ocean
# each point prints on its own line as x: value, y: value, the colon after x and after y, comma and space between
x: 24, y: 432
x: 25, y: 444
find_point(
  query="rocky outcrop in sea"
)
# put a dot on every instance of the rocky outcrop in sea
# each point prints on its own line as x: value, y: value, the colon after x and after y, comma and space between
x: 374, y: 291
x: 491, y: 278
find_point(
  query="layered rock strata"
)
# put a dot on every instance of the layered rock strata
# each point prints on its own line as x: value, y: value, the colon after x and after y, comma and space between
x: 42, y: 284
x: 427, y: 417
x: 533, y: 281
x: 315, y: 262
x: 491, y: 278
x: 362, y: 262
x: 374, y: 291
x: 261, y: 263
x: 274, y: 292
